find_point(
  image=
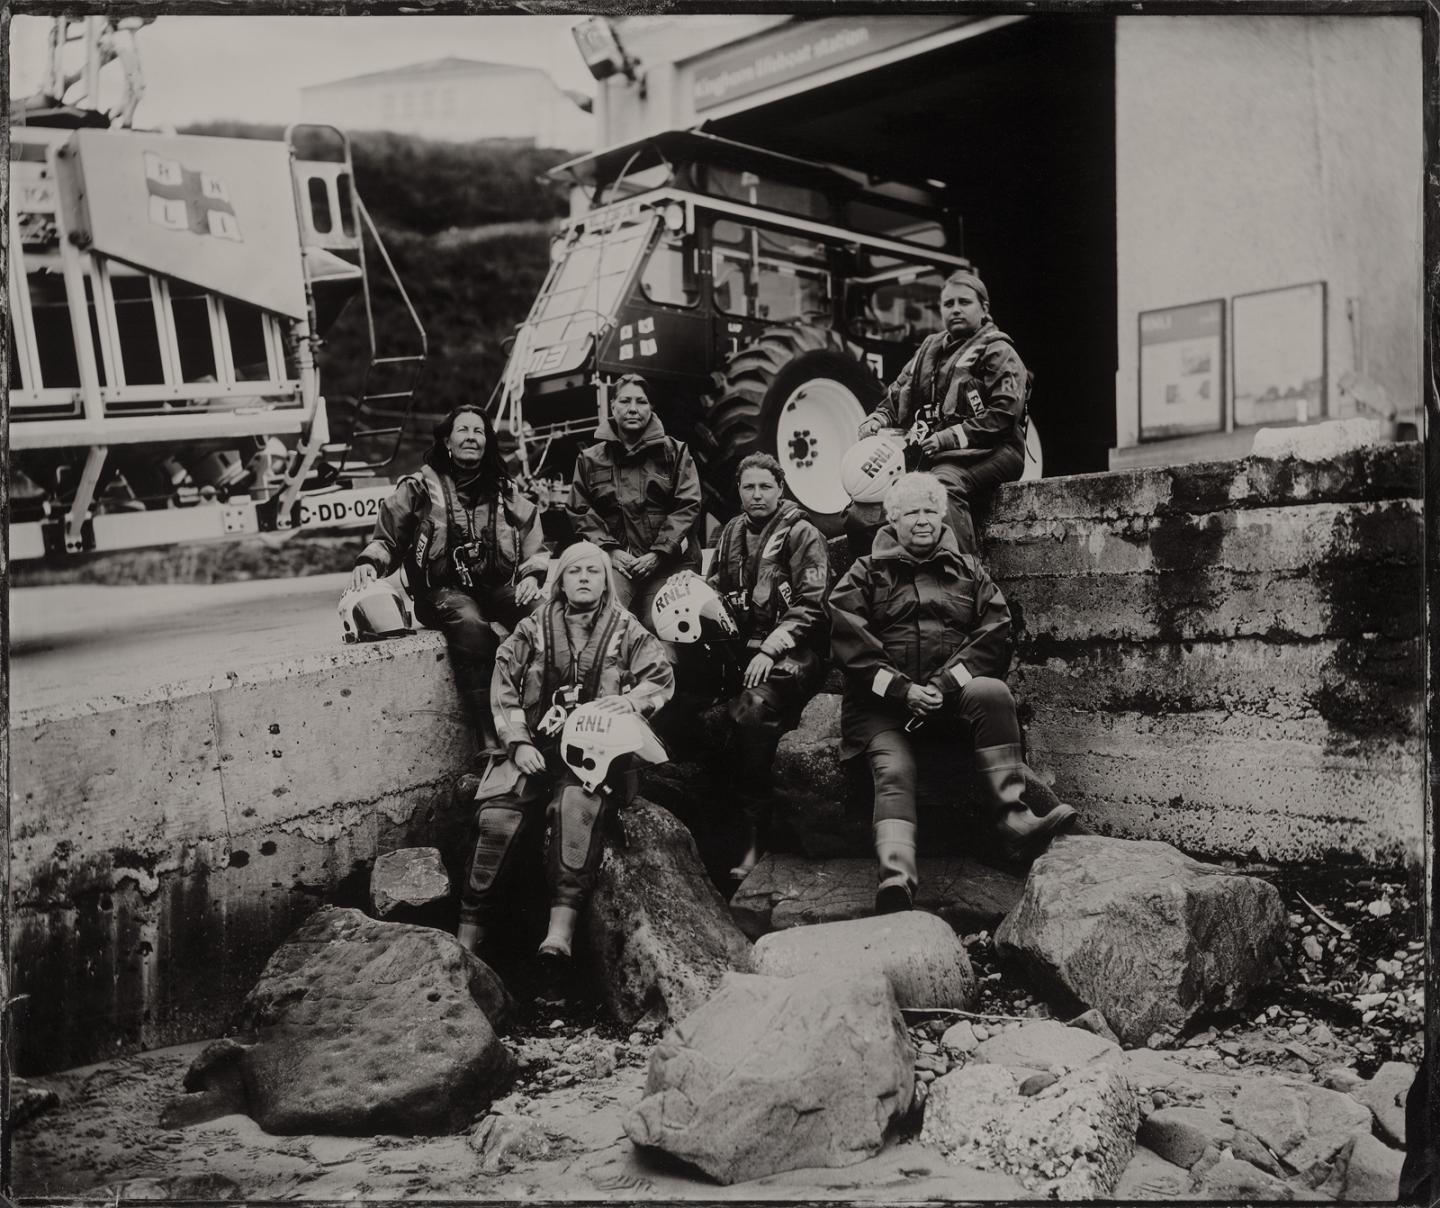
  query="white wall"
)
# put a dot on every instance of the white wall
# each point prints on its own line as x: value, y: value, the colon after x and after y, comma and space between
x: 1259, y: 152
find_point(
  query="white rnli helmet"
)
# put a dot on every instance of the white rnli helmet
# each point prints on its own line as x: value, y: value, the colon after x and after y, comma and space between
x: 870, y: 466
x: 377, y: 610
x: 687, y: 609
x: 594, y: 739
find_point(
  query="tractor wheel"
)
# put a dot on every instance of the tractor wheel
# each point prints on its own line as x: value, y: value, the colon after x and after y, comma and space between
x: 796, y: 393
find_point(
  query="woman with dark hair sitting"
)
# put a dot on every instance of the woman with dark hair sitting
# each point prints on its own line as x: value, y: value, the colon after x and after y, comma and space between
x: 773, y: 567
x: 636, y: 494
x: 472, y: 550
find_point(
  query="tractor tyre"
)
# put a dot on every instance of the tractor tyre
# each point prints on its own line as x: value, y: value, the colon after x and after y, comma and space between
x: 798, y: 394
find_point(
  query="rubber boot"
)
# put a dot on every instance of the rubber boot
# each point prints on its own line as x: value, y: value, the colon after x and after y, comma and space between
x: 895, y: 850
x: 556, y: 944
x: 1002, y: 771
x: 752, y: 853
x: 471, y: 936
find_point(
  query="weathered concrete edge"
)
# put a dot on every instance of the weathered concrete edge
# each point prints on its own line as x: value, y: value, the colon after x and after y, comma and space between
x: 357, y: 655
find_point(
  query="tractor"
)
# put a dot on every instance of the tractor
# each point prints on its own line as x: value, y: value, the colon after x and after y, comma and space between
x: 168, y: 295
x: 764, y: 298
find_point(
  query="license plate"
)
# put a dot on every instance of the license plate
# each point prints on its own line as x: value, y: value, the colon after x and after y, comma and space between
x: 343, y: 509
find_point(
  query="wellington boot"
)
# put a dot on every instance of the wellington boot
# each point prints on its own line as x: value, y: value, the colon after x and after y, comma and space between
x: 1022, y: 832
x: 895, y: 850
x: 556, y: 944
x: 471, y: 936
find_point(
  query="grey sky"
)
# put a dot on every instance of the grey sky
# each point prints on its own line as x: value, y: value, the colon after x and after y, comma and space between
x: 253, y: 68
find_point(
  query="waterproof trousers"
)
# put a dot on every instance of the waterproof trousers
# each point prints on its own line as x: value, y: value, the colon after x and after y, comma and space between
x: 464, y: 616
x: 762, y: 715
x: 986, y: 707
x: 507, y: 823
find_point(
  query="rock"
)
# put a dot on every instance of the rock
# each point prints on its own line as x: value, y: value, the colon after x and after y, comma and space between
x: 28, y: 1101
x: 1093, y: 1021
x: 776, y: 1074
x: 198, y: 1188
x: 1385, y: 1095
x: 1181, y: 1135
x: 1150, y: 1177
x: 408, y: 879
x: 1342, y: 1078
x: 919, y: 954
x: 960, y: 1038
x: 1045, y: 1044
x: 1148, y: 936
x: 1366, y: 1171
x: 1235, y: 1181
x: 1303, y: 1124
x: 359, y: 1027
x: 1316, y: 442
x: 656, y: 932
x: 1071, y: 1140
x: 963, y: 1104
x: 504, y: 1140
x: 791, y: 891
x: 1312, y: 947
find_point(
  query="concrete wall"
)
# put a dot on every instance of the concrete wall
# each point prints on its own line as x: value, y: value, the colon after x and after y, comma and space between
x: 1259, y: 152
x: 1227, y: 656
x: 162, y: 848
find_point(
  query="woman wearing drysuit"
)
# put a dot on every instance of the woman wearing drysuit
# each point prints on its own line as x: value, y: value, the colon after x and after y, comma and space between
x: 923, y: 636
x: 579, y: 646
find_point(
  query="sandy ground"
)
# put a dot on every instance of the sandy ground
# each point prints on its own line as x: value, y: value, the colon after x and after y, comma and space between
x: 104, y: 1137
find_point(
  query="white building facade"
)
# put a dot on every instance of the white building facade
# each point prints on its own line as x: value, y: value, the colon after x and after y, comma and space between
x: 458, y: 100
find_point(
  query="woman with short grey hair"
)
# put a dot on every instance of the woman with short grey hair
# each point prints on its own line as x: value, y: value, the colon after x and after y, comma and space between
x: 923, y: 636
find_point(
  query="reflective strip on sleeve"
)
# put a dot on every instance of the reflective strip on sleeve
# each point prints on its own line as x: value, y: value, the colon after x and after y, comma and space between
x: 962, y: 676
x: 882, y: 682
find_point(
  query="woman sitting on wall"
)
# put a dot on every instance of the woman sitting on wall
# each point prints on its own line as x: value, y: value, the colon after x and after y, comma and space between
x: 472, y: 550
x: 923, y: 636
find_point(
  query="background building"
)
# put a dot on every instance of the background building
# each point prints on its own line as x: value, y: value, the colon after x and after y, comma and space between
x: 1193, y: 226
x: 456, y: 99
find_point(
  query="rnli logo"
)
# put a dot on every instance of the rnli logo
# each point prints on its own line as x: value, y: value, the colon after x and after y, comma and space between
x: 877, y: 461
x: 185, y: 200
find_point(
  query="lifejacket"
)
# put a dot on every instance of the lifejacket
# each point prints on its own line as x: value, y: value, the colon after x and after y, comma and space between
x: 503, y: 543
x: 772, y: 569
x: 947, y: 393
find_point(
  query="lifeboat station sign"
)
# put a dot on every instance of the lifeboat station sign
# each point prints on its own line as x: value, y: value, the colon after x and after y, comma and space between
x: 802, y: 49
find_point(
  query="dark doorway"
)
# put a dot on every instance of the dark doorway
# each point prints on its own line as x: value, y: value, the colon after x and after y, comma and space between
x: 1020, y: 123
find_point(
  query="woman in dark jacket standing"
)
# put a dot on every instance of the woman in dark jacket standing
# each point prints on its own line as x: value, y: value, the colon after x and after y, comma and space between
x: 472, y: 549
x: 636, y: 494
x: 923, y: 636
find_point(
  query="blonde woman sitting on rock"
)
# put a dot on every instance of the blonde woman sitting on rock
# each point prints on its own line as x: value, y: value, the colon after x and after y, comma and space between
x: 579, y: 647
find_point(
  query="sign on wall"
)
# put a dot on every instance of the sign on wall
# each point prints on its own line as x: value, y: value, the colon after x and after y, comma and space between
x: 802, y: 49
x: 1182, y: 370
x: 1279, y: 355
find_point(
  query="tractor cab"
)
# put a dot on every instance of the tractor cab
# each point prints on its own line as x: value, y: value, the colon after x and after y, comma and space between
x: 764, y: 298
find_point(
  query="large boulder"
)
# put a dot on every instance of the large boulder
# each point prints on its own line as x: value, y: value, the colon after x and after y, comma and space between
x: 1385, y: 1095
x: 921, y: 957
x: 1302, y: 1125
x: 1071, y: 1140
x: 776, y: 1074
x: 656, y: 932
x: 358, y: 1027
x: 407, y: 880
x: 1043, y: 1044
x: 1142, y: 932
x: 1365, y: 1171
x: 791, y: 891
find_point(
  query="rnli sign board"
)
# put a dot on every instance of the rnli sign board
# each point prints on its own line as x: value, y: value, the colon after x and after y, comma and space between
x: 215, y: 212
x: 1182, y: 370
x: 801, y: 49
